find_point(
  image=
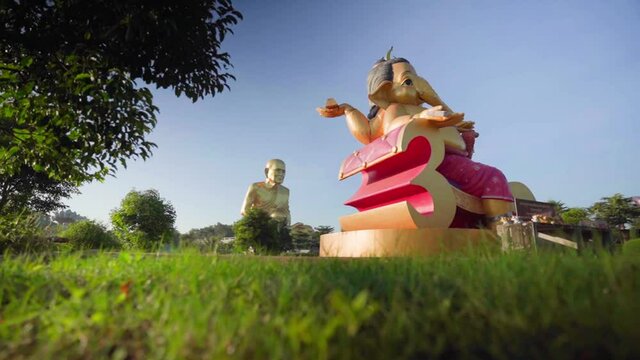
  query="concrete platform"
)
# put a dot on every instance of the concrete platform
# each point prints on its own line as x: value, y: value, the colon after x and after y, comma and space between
x: 404, y: 242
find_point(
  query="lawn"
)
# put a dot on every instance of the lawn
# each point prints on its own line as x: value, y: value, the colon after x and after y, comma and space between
x: 188, y: 305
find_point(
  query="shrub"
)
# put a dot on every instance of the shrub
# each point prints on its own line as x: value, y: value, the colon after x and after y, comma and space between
x: 87, y: 234
x: 631, y: 247
x: 574, y: 216
x: 258, y: 231
x: 144, y: 220
x: 20, y: 232
x: 224, y: 247
x: 206, y: 244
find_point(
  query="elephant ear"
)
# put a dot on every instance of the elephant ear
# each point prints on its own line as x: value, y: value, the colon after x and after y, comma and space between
x: 382, y: 95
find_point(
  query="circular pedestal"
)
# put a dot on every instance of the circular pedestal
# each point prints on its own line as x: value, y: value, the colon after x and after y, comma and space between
x: 403, y: 242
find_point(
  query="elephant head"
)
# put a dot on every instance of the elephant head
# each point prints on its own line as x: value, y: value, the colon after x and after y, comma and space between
x: 396, y: 81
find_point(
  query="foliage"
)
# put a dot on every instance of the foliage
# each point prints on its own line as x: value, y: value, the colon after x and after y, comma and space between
x: 31, y: 190
x: 559, y: 206
x: 635, y: 226
x: 217, y: 231
x: 631, y: 247
x: 302, y: 236
x: 21, y: 232
x: 144, y: 220
x: 320, y: 230
x: 223, y: 247
x: 66, y: 217
x: 208, y: 238
x: 203, y: 244
x: 616, y: 210
x: 71, y: 107
x: 87, y: 234
x: 190, y: 306
x: 263, y: 234
x: 573, y: 216
x: 324, y: 229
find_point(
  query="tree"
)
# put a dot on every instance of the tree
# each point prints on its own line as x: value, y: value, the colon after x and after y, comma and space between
x: 207, y: 237
x: 217, y: 231
x: 319, y: 231
x: 305, y: 237
x: 559, y: 206
x: 144, y: 220
x: 616, y: 210
x: 257, y: 230
x: 22, y: 232
x: 324, y: 229
x: 72, y: 102
x: 66, y: 217
x: 88, y: 234
x: 302, y: 235
x: 32, y: 190
x: 573, y: 216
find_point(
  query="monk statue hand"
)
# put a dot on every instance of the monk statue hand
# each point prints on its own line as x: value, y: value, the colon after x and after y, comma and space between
x: 437, y: 117
x: 331, y: 109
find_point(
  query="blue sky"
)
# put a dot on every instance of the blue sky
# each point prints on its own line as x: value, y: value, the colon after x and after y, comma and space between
x: 551, y: 85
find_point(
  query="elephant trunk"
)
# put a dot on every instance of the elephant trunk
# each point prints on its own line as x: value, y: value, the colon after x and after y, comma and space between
x: 428, y: 95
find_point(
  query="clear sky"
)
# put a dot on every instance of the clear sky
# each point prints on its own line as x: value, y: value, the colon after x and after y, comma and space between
x: 551, y: 85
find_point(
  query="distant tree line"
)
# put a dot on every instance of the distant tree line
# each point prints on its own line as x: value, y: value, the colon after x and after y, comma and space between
x: 617, y: 211
x: 143, y: 221
x: 146, y: 221
x: 257, y: 233
x: 209, y: 238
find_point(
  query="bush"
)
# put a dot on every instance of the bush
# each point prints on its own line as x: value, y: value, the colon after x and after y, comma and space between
x: 574, y: 216
x: 224, y: 247
x: 258, y: 231
x: 631, y: 247
x: 144, y: 220
x: 87, y: 234
x: 208, y: 239
x: 21, y: 232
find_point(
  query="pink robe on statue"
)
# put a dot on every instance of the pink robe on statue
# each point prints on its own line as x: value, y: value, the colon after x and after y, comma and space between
x: 483, y: 181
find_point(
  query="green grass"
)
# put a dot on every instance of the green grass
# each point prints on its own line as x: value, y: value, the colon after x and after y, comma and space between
x: 631, y: 247
x: 193, y: 306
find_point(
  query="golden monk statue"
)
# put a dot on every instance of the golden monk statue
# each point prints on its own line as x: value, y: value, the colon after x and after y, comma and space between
x: 270, y: 195
x: 396, y: 94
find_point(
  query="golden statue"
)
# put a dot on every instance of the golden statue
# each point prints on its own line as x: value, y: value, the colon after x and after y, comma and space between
x: 270, y: 195
x: 396, y: 93
x: 420, y: 193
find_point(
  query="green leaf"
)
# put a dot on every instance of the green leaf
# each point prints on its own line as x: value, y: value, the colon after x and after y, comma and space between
x: 7, y: 111
x: 82, y: 76
x: 13, y: 150
x: 26, y: 61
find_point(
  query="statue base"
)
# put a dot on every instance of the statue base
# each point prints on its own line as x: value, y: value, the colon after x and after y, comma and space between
x: 405, y: 242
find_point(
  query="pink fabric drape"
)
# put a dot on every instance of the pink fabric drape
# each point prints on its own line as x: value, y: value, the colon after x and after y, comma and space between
x: 474, y: 178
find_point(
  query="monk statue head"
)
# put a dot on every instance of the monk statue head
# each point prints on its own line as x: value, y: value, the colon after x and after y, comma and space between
x: 274, y: 170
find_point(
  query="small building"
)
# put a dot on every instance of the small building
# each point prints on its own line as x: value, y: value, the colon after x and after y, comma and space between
x: 227, y: 240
